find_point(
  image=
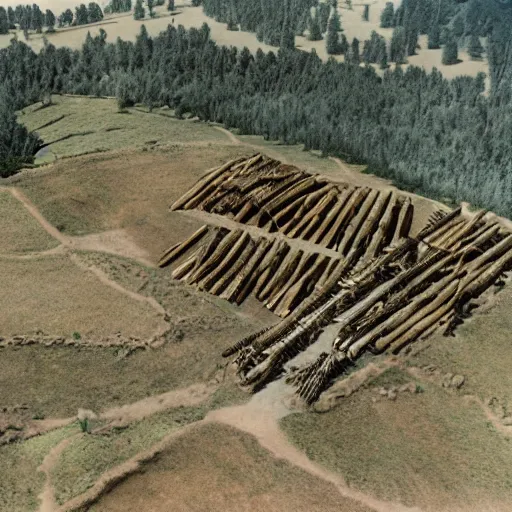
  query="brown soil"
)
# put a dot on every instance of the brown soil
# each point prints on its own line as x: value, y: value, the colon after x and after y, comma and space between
x: 218, y: 468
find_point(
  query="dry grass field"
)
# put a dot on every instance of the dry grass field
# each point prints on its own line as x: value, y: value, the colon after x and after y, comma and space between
x: 51, y: 295
x: 218, y: 468
x: 431, y: 449
x: 127, y: 28
x: 81, y: 239
x: 20, y: 231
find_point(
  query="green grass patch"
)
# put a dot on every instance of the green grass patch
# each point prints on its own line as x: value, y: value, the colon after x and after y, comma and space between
x: 21, y: 233
x: 87, y: 458
x: 21, y: 482
x: 110, y: 129
x: 420, y: 447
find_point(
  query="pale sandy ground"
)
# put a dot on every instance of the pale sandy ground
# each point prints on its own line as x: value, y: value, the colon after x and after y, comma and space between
x: 127, y: 28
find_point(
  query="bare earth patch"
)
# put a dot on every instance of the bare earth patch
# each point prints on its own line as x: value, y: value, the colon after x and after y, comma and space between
x: 218, y: 468
x: 54, y: 296
x: 20, y: 232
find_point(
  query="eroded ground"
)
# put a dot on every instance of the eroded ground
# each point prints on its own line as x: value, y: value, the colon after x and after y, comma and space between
x: 164, y: 425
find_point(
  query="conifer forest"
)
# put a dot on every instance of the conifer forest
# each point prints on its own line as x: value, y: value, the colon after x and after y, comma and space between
x: 448, y: 139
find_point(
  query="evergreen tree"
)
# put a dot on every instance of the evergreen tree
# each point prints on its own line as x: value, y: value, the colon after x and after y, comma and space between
x: 94, y: 13
x: 302, y: 23
x: 458, y: 26
x: 49, y: 20
x: 139, y: 12
x: 450, y: 52
x: 170, y: 5
x: 333, y: 42
x: 81, y: 15
x: 66, y: 18
x: 355, y: 58
x: 475, y: 48
x: 387, y: 15
x: 398, y: 50
x: 287, y: 35
x: 4, y: 21
x: 150, y: 8
x: 315, y: 33
x: 434, y: 37
x: 37, y: 19
x: 323, y: 12
x: 366, y: 12
x: 344, y: 46
x: 17, y: 145
x: 12, y: 18
x: 382, y: 58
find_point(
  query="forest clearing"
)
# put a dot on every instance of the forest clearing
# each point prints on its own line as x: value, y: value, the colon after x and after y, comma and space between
x: 159, y: 403
x: 256, y: 256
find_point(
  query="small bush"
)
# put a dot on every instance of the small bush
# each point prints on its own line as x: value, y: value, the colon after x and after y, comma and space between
x: 77, y: 336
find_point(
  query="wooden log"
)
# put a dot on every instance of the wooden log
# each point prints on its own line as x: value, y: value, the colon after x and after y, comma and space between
x: 290, y: 194
x: 371, y: 222
x: 437, y: 234
x: 379, y: 238
x: 308, y: 201
x: 220, y: 246
x: 449, y: 241
x: 356, y: 222
x: 315, y: 223
x: 239, y: 241
x: 281, y: 276
x: 206, y: 183
x: 327, y: 272
x: 181, y: 271
x: 231, y: 280
x: 312, y: 208
x: 269, y: 265
x: 389, y: 330
x: 331, y: 216
x: 436, y: 227
x: 293, y: 207
x: 404, y: 221
x: 249, y: 275
x: 301, y: 287
x: 426, y: 317
x: 180, y: 248
x: 347, y: 213
x: 305, y: 260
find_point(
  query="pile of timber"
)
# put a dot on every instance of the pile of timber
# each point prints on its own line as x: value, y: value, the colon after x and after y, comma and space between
x: 417, y: 286
x: 360, y: 267
x: 263, y: 192
x: 233, y: 264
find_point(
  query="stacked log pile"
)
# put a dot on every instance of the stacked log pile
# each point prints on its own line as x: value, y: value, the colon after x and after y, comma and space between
x: 359, y: 268
x: 233, y: 264
x: 263, y: 192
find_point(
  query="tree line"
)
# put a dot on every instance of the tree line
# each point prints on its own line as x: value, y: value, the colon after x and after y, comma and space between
x: 441, y: 137
x: 32, y: 18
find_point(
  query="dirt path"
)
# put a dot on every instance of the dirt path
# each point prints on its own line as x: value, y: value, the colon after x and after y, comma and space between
x: 104, y: 279
x: 266, y: 430
x: 115, y: 242
x: 261, y: 149
x: 22, y: 198
x: 295, y: 243
x: 186, y: 397
x: 47, y: 496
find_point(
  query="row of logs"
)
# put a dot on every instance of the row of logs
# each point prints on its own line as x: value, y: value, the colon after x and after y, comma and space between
x: 263, y: 192
x: 385, y: 303
x: 232, y: 265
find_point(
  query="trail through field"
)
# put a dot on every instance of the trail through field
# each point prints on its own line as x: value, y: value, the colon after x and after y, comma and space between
x: 116, y: 286
x: 47, y: 496
x: 256, y: 232
x: 262, y: 149
x: 259, y: 417
x: 116, y: 242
